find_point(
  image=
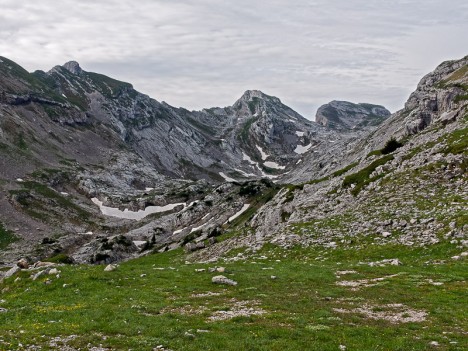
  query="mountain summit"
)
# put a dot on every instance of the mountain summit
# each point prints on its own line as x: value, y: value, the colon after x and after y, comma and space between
x: 73, y: 67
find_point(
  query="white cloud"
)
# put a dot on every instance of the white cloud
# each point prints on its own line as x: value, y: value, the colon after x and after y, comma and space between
x: 207, y: 52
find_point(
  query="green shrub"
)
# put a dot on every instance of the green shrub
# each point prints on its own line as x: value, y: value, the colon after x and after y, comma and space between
x: 285, y: 216
x: 391, y: 146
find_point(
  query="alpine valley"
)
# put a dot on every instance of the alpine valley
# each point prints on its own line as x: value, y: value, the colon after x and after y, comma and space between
x: 127, y: 223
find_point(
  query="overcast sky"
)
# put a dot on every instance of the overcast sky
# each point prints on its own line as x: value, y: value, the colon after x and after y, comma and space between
x: 203, y: 53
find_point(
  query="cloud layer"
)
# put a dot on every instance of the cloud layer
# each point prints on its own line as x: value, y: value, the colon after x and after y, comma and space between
x: 202, y: 53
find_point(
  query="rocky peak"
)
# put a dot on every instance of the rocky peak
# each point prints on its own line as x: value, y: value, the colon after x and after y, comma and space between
x: 253, y: 101
x: 73, y: 67
x: 344, y: 115
x: 252, y: 95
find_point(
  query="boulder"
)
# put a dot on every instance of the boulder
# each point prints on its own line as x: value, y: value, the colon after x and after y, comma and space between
x: 23, y: 263
x: 12, y: 272
x: 110, y: 268
x: 221, y: 279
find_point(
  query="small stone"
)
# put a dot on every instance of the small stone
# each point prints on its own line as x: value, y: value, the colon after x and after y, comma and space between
x: 221, y: 279
x: 342, y: 347
x: 434, y: 343
x: 48, y: 282
x: 110, y: 268
x: 3, y: 310
x: 142, y: 275
x: 54, y: 271
x: 189, y: 335
x: 220, y: 269
x: 38, y: 275
x: 273, y: 277
x: 386, y: 234
x: 202, y: 331
x: 12, y: 272
x: 43, y: 264
x: 464, y: 254
x: 455, y: 258
x: 200, y: 270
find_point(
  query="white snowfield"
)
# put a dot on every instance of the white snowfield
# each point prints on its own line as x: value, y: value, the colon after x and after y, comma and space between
x: 302, y: 149
x: 263, y: 153
x: 272, y: 164
x: 135, y: 215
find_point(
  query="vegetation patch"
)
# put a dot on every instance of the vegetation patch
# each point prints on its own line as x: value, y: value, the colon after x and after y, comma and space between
x: 160, y: 300
x: 344, y: 170
x: 244, y: 133
x: 362, y: 177
x: 6, y: 237
x: 457, y: 142
x: 38, y: 200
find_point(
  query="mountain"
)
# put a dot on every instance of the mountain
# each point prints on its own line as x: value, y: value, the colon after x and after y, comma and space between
x: 343, y: 115
x: 69, y: 136
x: 404, y: 183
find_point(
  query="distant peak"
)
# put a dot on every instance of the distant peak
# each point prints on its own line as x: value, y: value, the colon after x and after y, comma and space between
x: 250, y: 95
x: 73, y: 67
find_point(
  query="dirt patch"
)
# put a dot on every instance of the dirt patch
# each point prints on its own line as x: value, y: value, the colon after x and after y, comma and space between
x: 363, y: 283
x: 238, y: 309
x: 393, y: 313
x: 186, y: 310
x: 208, y: 294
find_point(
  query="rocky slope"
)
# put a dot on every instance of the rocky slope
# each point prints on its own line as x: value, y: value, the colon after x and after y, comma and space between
x: 343, y: 115
x: 405, y: 183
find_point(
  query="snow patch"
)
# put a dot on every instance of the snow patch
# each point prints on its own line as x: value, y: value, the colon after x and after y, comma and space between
x: 300, y: 134
x: 228, y: 179
x: 200, y: 227
x: 139, y: 243
x: 264, y: 155
x: 244, y: 173
x: 302, y: 149
x: 247, y: 158
x: 272, y: 164
x: 242, y: 210
x: 135, y: 215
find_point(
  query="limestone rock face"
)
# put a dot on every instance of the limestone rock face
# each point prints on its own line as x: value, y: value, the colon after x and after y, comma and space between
x: 343, y: 115
x: 73, y: 67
